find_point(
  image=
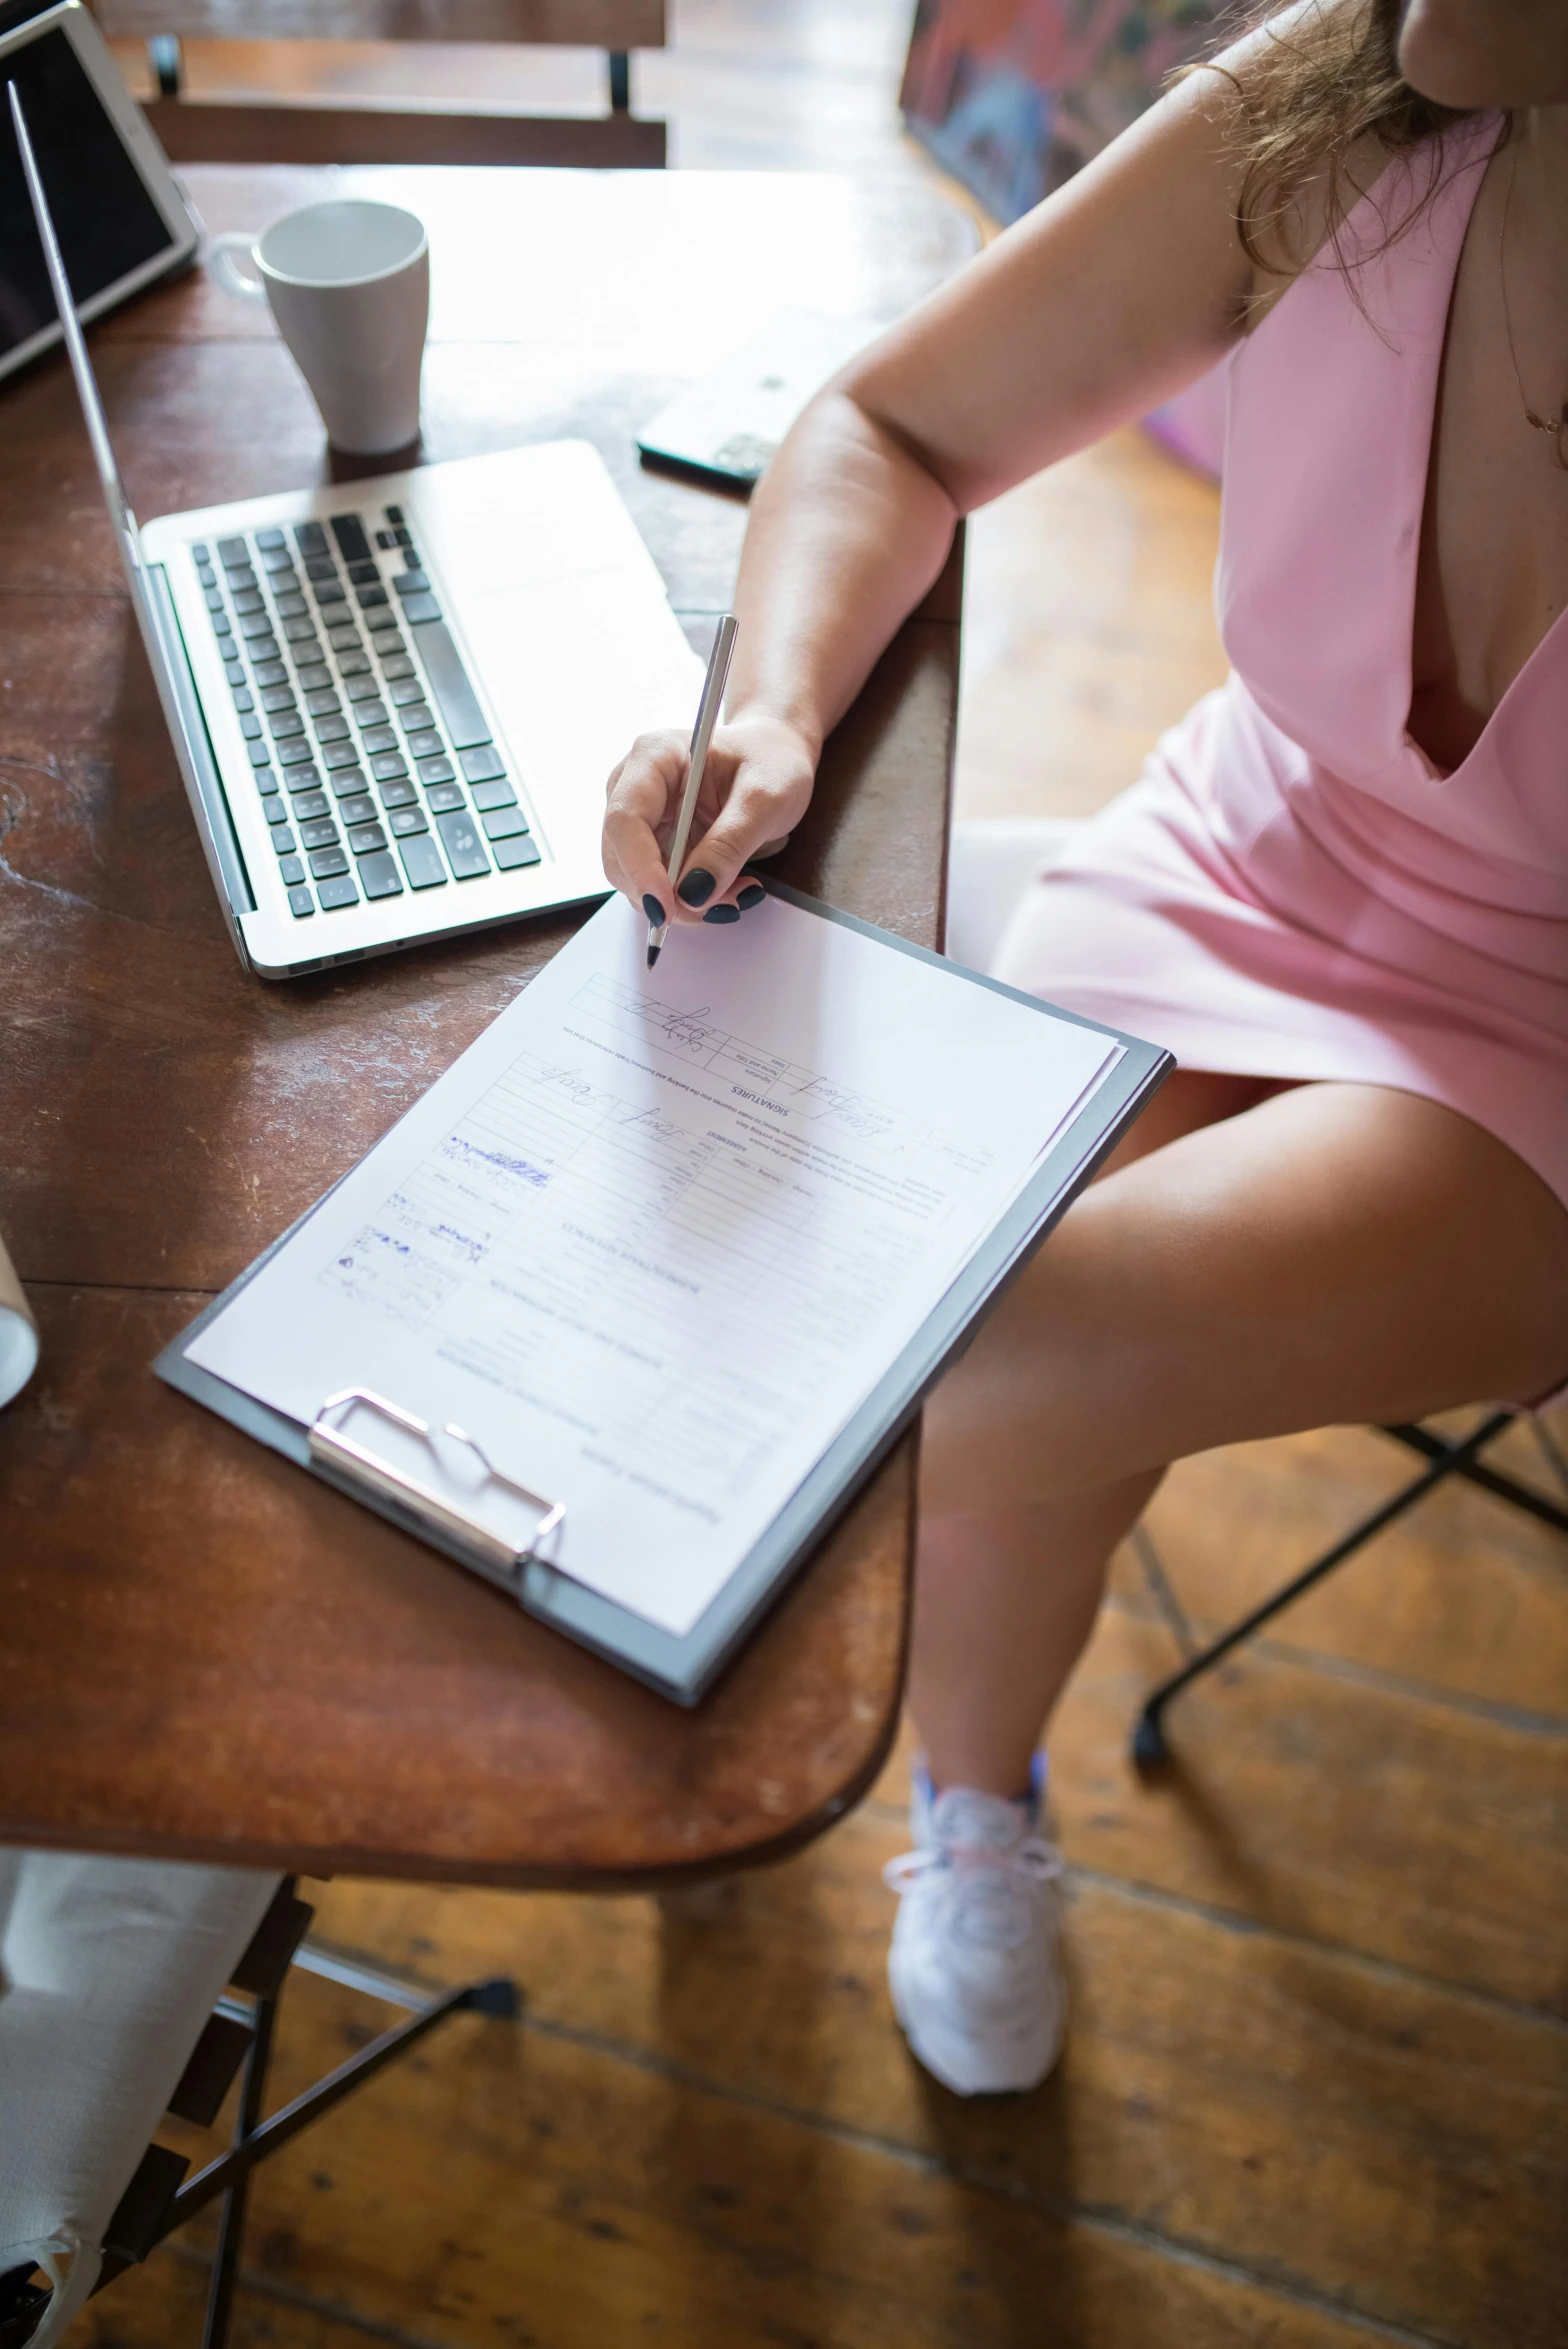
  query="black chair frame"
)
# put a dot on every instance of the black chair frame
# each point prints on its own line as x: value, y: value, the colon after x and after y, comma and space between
x: 1445, y: 1458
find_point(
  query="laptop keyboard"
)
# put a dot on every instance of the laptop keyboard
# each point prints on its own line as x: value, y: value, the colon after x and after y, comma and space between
x: 372, y: 757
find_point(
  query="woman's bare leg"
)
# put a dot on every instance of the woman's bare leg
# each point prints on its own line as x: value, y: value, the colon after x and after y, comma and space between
x: 1331, y: 1253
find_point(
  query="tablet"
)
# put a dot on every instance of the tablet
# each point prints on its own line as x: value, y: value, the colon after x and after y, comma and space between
x: 122, y: 220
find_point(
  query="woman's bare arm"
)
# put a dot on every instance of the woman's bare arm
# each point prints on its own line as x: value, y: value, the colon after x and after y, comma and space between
x: 1116, y: 292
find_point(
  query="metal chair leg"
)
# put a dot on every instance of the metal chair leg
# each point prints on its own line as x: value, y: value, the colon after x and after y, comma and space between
x: 255, y: 2139
x: 1149, y: 1746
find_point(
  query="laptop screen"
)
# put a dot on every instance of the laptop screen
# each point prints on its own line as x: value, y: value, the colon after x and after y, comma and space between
x: 107, y: 223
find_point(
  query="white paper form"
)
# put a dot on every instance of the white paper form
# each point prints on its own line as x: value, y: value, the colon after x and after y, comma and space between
x: 656, y: 1235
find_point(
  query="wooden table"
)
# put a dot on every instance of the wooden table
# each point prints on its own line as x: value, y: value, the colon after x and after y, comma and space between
x: 204, y: 1653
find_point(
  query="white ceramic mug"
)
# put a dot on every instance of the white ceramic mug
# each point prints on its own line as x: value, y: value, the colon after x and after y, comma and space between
x: 349, y: 286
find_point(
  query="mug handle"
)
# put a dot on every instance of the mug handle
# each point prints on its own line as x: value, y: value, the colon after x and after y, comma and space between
x: 225, y: 255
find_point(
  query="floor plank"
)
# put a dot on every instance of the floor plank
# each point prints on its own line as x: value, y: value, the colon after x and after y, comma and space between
x: 1336, y: 2130
x: 533, y: 2188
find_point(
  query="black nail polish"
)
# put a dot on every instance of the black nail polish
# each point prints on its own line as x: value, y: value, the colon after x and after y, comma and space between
x: 697, y: 887
x: 752, y: 894
x: 653, y: 909
x: 722, y: 913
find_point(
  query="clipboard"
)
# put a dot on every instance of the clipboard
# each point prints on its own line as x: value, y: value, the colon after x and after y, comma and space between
x: 684, y: 1667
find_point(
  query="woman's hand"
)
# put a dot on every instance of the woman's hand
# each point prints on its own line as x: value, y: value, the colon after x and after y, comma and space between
x: 754, y: 792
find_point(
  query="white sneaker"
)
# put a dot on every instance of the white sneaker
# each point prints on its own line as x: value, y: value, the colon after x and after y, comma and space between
x: 975, y: 1968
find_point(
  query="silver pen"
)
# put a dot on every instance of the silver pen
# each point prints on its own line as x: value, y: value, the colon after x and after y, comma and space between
x: 701, y: 735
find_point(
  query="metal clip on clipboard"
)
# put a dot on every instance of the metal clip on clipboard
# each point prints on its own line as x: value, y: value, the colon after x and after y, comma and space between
x: 451, y: 1525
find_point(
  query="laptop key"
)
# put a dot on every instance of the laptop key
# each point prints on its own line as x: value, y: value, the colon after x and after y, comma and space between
x: 284, y: 841
x: 411, y: 583
x: 406, y: 691
x: 336, y: 894
x: 291, y: 870
x: 463, y: 847
x: 266, y: 781
x: 366, y: 574
x: 465, y: 720
x: 285, y: 723
x: 331, y: 726
x: 396, y: 665
x: 310, y: 538
x: 301, y: 903
x: 340, y: 754
x: 388, y: 763
x: 385, y: 541
x: 425, y: 743
x: 348, y: 781
x: 482, y: 766
x: 233, y: 550
x: 293, y: 754
x: 278, y: 697
x: 393, y: 514
x: 291, y: 607
x: 259, y: 754
x: 327, y: 862
x: 358, y: 808
x: 378, y: 736
x: 314, y: 676
x: 250, y: 726
x: 256, y: 624
x: 438, y: 771
x: 422, y: 862
x: 268, y: 672
x: 275, y: 808
x: 322, y: 702
x: 399, y: 793
x: 267, y: 538
x: 504, y: 823
x: 443, y: 797
x: 405, y: 821
x: 420, y: 610
x: 311, y: 803
x: 301, y: 632
x: 486, y: 796
x: 519, y: 850
x: 349, y: 532
x: 375, y: 621
x: 244, y: 700
x: 328, y: 591
x: 235, y: 672
x: 320, y: 568
x: 365, y: 837
x: 200, y: 553
x: 320, y: 832
x: 378, y: 874
x: 214, y: 600
x: 247, y: 599
x: 415, y: 717
x: 371, y: 711
x: 363, y: 686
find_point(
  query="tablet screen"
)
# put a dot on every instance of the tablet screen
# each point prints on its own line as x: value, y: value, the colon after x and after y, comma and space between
x: 107, y: 223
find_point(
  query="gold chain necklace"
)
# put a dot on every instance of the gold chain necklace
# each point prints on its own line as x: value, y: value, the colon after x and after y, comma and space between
x: 1558, y: 426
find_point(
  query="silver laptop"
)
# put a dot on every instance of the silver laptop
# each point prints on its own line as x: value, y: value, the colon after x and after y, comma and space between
x: 395, y: 703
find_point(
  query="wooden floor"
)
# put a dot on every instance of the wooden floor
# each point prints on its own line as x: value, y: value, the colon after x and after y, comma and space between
x: 1316, y: 2088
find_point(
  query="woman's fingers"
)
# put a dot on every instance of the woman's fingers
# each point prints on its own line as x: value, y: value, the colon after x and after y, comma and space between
x: 642, y: 802
x: 754, y: 790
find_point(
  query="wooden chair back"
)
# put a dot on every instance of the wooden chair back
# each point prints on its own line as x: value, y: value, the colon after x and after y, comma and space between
x: 196, y: 131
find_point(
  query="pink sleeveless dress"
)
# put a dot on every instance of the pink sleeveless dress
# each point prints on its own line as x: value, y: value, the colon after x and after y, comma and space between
x: 1292, y: 888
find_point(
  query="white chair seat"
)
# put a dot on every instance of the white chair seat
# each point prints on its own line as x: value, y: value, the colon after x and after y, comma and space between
x: 992, y: 862
x: 109, y: 1970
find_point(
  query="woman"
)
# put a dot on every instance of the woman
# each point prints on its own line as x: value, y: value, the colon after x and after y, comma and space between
x: 1338, y: 892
